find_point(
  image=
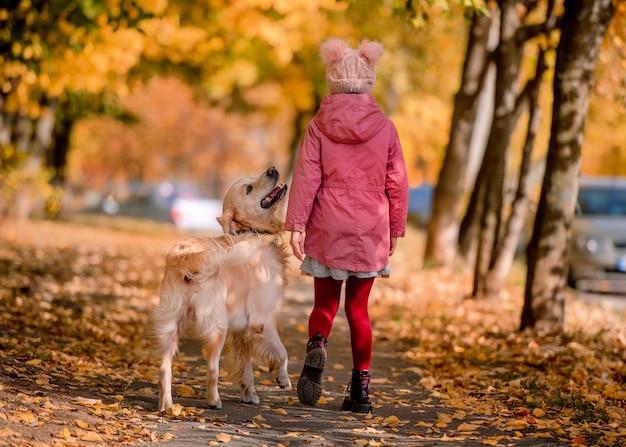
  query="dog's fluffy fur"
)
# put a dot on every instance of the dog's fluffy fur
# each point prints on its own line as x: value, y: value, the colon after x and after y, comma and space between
x: 230, y: 289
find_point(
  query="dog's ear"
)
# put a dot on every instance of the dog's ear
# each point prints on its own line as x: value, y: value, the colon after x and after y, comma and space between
x: 230, y: 225
x: 225, y: 220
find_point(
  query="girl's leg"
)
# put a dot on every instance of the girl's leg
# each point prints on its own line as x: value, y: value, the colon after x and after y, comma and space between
x: 327, y: 296
x: 357, y: 297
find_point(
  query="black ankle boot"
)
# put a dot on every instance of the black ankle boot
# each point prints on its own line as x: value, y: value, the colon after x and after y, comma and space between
x: 310, y: 382
x: 359, y: 387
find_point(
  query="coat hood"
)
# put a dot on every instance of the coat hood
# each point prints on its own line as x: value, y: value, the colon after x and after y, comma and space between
x: 350, y: 118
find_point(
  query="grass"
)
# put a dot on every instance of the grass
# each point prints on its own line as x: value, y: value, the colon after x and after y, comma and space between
x: 583, y: 410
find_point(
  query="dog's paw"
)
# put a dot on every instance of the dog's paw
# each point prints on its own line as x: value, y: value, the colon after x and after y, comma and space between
x: 250, y: 398
x: 284, y: 383
x: 165, y: 403
x: 214, y: 402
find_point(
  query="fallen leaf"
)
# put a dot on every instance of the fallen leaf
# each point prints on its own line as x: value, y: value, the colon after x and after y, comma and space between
x: 443, y: 417
x: 466, y: 427
x: 223, y: 437
x: 186, y: 391
x: 538, y: 412
x: 391, y: 420
x: 91, y: 436
x: 176, y: 410
x: 86, y: 401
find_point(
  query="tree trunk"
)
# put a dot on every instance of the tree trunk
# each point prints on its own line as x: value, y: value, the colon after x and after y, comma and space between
x: 583, y: 27
x: 468, y: 231
x: 56, y: 156
x: 508, y: 59
x: 441, y: 243
x: 505, y: 252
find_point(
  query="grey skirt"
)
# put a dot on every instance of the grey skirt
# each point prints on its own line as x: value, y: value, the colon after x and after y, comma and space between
x: 315, y: 268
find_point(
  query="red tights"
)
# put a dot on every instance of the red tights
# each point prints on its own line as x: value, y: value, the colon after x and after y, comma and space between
x: 327, y: 296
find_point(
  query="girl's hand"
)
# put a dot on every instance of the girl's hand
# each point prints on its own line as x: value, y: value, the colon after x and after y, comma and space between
x: 297, y: 244
x: 392, y: 245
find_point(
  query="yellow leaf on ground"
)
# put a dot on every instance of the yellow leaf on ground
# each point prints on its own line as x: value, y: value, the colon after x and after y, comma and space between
x: 466, y: 427
x: 223, y: 437
x: 293, y: 434
x: 538, y: 412
x: 91, y: 436
x: 280, y: 411
x: 86, y: 401
x: 542, y: 434
x: 428, y: 382
x: 186, y: 391
x: 34, y: 362
x: 82, y: 424
x: 176, y: 409
x: 391, y: 420
x: 443, y: 417
x: 447, y: 438
x: 65, y: 433
x: 26, y: 417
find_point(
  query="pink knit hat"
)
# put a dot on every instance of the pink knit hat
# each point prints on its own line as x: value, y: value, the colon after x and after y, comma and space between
x: 349, y: 70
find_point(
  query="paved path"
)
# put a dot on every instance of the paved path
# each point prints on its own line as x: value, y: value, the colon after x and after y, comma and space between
x: 404, y: 412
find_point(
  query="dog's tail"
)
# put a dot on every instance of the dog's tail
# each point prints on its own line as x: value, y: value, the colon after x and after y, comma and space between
x: 197, y: 258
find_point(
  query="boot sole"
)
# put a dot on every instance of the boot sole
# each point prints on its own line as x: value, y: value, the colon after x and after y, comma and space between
x: 310, y: 382
x: 362, y: 408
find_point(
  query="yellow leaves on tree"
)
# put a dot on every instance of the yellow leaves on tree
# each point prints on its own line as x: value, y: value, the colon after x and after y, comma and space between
x: 107, y: 56
x: 167, y: 39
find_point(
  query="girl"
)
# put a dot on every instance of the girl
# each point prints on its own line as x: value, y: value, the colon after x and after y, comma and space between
x: 347, y: 207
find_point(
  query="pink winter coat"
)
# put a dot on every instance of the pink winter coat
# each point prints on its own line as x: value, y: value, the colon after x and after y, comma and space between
x: 349, y: 191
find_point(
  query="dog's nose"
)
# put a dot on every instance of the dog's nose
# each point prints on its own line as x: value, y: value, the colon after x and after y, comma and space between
x: 271, y: 171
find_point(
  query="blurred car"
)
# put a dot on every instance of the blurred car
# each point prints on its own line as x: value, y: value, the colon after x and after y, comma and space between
x: 196, y: 214
x: 420, y: 203
x: 598, y: 243
x: 148, y: 200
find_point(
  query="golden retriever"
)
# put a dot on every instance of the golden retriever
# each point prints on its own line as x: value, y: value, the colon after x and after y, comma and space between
x: 229, y: 288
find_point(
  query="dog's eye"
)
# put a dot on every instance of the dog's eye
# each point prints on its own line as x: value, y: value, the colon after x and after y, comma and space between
x: 248, y: 189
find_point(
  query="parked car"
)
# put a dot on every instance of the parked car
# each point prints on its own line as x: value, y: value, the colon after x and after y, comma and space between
x: 420, y: 203
x: 148, y: 200
x: 197, y: 214
x: 598, y: 243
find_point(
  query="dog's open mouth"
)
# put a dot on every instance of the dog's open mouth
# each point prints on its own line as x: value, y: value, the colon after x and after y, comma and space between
x: 274, y: 196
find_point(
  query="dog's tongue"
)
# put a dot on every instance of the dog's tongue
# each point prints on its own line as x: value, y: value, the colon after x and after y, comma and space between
x: 269, y: 199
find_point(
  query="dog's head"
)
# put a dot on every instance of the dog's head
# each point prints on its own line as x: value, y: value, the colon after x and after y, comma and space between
x: 250, y: 204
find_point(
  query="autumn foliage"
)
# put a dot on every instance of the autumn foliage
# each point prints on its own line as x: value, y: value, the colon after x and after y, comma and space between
x: 77, y: 369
